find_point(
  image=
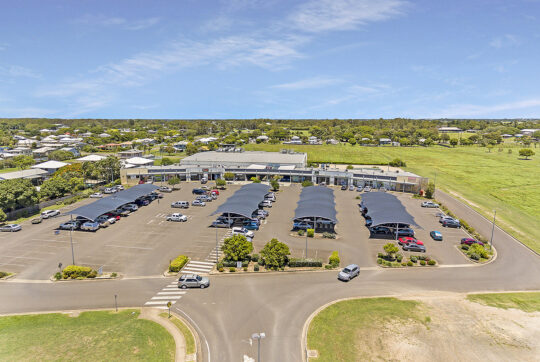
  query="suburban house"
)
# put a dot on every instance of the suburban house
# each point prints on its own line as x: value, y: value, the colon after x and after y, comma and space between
x: 123, y: 155
x: 450, y: 130
x: 50, y: 166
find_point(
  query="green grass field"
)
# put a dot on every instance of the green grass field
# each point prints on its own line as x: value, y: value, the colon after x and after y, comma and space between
x: 188, y: 336
x: 335, y: 331
x: 6, y: 170
x: 92, y: 336
x: 527, y: 301
x: 486, y: 180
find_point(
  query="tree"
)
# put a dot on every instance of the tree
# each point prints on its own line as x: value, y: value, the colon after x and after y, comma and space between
x: 390, y: 249
x: 352, y: 141
x: 255, y: 180
x: 236, y: 248
x: 307, y: 183
x: 16, y: 194
x: 229, y: 176
x: 275, y: 254
x: 60, y: 155
x: 191, y: 149
x: 275, y: 184
x: 221, y: 183
x: 397, y: 162
x: 445, y: 137
x: 173, y: 181
x: 23, y: 162
x: 3, y: 216
x: 54, y: 187
x: 430, y: 190
x: 454, y: 142
x: 165, y: 161
x: 526, y: 152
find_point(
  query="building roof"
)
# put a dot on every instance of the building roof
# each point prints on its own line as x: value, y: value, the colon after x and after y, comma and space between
x: 139, y: 161
x: 449, y: 129
x: 252, y: 157
x: 91, y: 158
x: 32, y: 173
x: 316, y: 202
x: 385, y: 208
x: 244, y: 201
x: 50, y: 165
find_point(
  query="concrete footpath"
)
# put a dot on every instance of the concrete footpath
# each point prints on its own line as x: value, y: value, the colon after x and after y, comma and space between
x: 179, y: 341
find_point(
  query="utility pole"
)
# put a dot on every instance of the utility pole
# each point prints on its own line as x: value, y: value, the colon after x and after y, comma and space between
x: 493, y: 228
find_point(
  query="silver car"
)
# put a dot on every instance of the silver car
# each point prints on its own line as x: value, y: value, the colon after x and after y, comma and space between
x: 349, y: 272
x: 11, y: 227
x: 193, y: 281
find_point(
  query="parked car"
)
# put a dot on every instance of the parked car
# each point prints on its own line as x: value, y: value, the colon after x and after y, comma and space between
x: 242, y: 231
x: 304, y: 225
x: 359, y: 188
x: 204, y: 180
x: 222, y: 223
x: 119, y: 188
x: 405, y: 240
x: 97, y: 195
x: 165, y: 189
x: 158, y: 195
x: 105, y: 218
x: 265, y: 203
x: 11, y: 228
x: 451, y: 224
x: 176, y: 217
x: 142, y: 202
x: 69, y: 225
x: 37, y: 220
x: 382, y: 189
x: 251, y: 224
x: 440, y: 214
x: 180, y: 204
x: 380, y: 230
x: 198, y: 192
x: 204, y: 198
x: 113, y: 215
x: 369, y: 222
x: 50, y: 213
x: 436, y: 235
x: 351, y: 187
x: 367, y: 189
x: 215, y: 191
x: 90, y: 226
x: 193, y: 281
x: 349, y: 272
x: 470, y: 241
x: 121, y: 212
x: 130, y: 207
x: 446, y: 218
x: 414, y: 247
x: 198, y: 203
x: 429, y: 204
x: 343, y: 187
x: 405, y: 232
x: 109, y: 190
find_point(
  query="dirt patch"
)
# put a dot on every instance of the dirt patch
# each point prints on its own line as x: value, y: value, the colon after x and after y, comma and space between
x: 455, y: 329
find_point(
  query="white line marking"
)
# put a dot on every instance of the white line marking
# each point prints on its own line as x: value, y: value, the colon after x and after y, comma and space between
x: 161, y: 308
x: 167, y: 297
x: 195, y: 270
x: 158, y: 302
x: 149, y: 222
x: 175, y: 292
x: 200, y: 262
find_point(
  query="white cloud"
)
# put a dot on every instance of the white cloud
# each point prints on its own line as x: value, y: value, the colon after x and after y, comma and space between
x: 142, y: 24
x: 309, y: 83
x: 328, y: 15
x: 470, y: 110
x: 504, y: 41
x: 16, y: 71
x: 107, y: 21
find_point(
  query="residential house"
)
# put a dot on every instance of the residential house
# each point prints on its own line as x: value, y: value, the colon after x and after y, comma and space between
x: 124, y: 155
x: 385, y: 141
x: 450, y: 130
x: 21, y: 151
x: 50, y: 166
x: 73, y: 150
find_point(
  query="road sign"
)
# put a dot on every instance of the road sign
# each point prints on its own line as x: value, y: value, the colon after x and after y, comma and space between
x: 100, y: 270
x: 169, y: 304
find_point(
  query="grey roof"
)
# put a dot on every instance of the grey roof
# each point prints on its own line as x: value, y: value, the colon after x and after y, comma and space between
x: 257, y: 157
x: 31, y: 173
x: 244, y: 201
x: 110, y: 203
x: 385, y: 208
x: 316, y: 201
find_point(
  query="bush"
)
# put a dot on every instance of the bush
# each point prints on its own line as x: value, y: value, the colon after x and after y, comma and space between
x: 307, y: 183
x: 464, y: 247
x: 474, y: 256
x: 387, y: 263
x: 232, y: 269
x: 432, y: 262
x: 478, y: 249
x: 410, y: 263
x: 232, y: 263
x: 57, y: 276
x: 399, y: 257
x: 329, y: 235
x: 328, y: 266
x: 221, y: 270
x: 422, y: 262
x: 380, y: 255
x: 245, y: 268
x: 219, y: 265
x: 256, y: 267
x: 334, y: 259
x: 310, y: 233
x: 414, y: 259
x: 403, y: 264
x: 113, y: 275
x: 75, y: 271
x: 178, y: 263
x: 255, y: 258
x: 379, y: 261
x: 305, y: 263
x: 92, y: 274
x: 301, y: 232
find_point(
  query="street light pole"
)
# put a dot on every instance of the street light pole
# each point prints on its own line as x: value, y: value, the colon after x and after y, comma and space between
x: 71, y: 240
x: 493, y: 228
x: 258, y: 337
x: 217, y: 248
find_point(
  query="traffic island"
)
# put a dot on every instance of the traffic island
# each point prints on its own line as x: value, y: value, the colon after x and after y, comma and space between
x: 478, y: 253
x: 6, y: 275
x: 77, y: 272
x: 176, y: 265
x: 393, y: 259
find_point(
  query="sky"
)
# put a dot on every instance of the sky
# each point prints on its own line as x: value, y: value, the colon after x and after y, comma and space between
x: 220, y: 59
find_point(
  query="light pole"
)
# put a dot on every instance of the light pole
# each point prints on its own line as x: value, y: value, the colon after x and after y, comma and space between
x: 258, y: 337
x: 493, y: 228
x: 71, y: 240
x: 217, y: 248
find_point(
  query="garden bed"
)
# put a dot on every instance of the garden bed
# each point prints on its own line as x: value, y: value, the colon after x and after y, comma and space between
x: 477, y: 253
x: 76, y: 272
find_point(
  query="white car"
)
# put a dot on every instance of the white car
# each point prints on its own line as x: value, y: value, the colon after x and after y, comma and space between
x: 198, y: 203
x: 105, y: 218
x: 367, y: 189
x: 50, y: 213
x: 242, y: 231
x: 265, y: 203
x: 177, y: 217
x: 110, y: 190
x: 130, y: 207
x: 429, y: 204
x: 10, y: 227
x: 97, y: 195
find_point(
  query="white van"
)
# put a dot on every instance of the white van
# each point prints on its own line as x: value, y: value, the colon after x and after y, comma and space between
x: 180, y: 204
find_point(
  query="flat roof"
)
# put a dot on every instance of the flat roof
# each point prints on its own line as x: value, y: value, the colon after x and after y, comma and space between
x: 51, y: 165
x: 32, y: 173
x: 316, y: 202
x: 385, y: 208
x: 253, y: 157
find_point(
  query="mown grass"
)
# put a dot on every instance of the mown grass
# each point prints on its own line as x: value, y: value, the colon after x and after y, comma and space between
x: 335, y: 331
x: 526, y: 301
x: 92, y: 336
x: 9, y: 169
x: 188, y: 336
x: 488, y: 180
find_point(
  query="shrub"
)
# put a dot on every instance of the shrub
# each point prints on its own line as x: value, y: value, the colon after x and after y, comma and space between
x: 410, y: 263
x: 403, y: 264
x: 219, y: 265
x: 178, y: 263
x: 113, y: 275
x: 474, y: 256
x: 387, y: 263
x: 334, y: 259
x: 310, y: 233
x: 414, y: 259
x: 57, y: 276
x: 307, y: 183
x: 478, y: 249
x: 422, y: 262
x: 328, y: 266
x: 75, y: 272
x: 232, y: 263
x: 92, y: 274
x: 379, y: 261
x: 399, y: 257
x: 329, y: 235
x: 464, y: 247
x: 232, y: 269
x: 245, y: 268
x: 432, y: 262
x: 380, y: 255
x: 255, y: 258
x: 390, y: 249
x: 301, y: 232
x: 221, y: 270
x: 305, y: 263
x: 256, y: 267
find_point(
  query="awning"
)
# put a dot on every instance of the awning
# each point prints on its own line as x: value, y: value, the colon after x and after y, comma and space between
x: 111, y: 203
x: 244, y: 201
x: 316, y: 202
x: 385, y: 208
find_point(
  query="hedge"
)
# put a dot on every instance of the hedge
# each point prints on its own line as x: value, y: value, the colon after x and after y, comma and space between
x: 301, y: 263
x: 178, y: 263
x: 232, y: 263
x: 329, y: 235
x: 76, y: 271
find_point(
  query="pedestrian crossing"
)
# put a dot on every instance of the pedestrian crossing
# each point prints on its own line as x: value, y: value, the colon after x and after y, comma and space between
x: 200, y: 267
x: 170, y: 293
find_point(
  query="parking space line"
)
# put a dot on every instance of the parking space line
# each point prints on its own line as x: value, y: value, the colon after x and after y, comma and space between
x: 19, y: 257
x: 170, y: 288
x: 128, y: 247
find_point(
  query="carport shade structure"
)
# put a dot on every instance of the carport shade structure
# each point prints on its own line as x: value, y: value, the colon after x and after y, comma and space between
x: 386, y: 209
x: 316, y: 202
x: 110, y: 203
x: 244, y: 201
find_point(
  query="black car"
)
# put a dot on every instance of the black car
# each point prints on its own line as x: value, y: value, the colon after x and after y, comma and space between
x: 405, y: 232
x: 198, y: 192
x: 451, y: 224
x: 344, y: 187
x: 142, y: 202
x: 380, y: 230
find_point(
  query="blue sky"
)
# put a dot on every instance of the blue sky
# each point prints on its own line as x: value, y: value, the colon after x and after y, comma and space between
x: 270, y: 58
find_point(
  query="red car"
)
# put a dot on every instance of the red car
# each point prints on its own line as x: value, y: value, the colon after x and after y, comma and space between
x: 215, y: 192
x: 470, y: 241
x: 407, y: 239
x: 110, y: 214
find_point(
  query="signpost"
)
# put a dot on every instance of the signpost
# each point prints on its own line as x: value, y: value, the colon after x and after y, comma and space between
x: 169, y: 306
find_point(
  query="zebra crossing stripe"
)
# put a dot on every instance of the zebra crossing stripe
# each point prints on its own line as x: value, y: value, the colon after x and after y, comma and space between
x: 159, y: 302
x: 171, y: 293
x: 167, y: 297
x: 200, y: 262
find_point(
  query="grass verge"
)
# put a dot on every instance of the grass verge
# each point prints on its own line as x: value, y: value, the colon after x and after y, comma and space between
x: 92, y: 336
x: 526, y: 301
x: 335, y: 331
x: 188, y: 336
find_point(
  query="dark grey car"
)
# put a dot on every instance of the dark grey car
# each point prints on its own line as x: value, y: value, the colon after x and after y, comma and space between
x: 193, y: 281
x: 414, y: 247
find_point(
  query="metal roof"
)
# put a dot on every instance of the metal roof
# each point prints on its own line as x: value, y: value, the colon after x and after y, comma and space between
x: 316, y: 201
x: 244, y: 201
x: 110, y: 203
x: 385, y: 208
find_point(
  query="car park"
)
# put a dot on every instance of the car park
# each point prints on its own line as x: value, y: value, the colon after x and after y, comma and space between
x: 96, y: 195
x: 349, y: 272
x: 198, y: 191
x: 405, y: 232
x: 414, y: 247
x: 165, y: 189
x: 180, y: 204
x: 198, y: 203
x: 436, y: 235
x: 50, y: 213
x: 10, y: 228
x: 142, y: 202
x: 222, y: 223
x: 405, y: 240
x: 109, y: 190
x: 470, y: 241
x: 69, y: 225
x: 351, y: 188
x: 177, y: 217
x: 193, y: 281
x: 451, y: 224
x: 367, y: 189
x: 130, y: 207
x: 380, y: 230
x: 343, y: 187
x: 359, y: 188
x: 429, y: 204
x: 204, y: 198
x: 242, y: 231
x: 90, y: 226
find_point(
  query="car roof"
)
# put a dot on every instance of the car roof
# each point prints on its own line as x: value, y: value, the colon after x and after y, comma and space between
x: 351, y: 266
x: 189, y: 275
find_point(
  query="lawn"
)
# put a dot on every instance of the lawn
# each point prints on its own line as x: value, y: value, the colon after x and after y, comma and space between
x: 527, y: 301
x: 487, y: 179
x: 335, y: 331
x: 188, y: 336
x: 92, y: 336
x: 6, y: 170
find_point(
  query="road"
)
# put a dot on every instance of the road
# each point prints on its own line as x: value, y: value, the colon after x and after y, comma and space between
x: 235, y: 306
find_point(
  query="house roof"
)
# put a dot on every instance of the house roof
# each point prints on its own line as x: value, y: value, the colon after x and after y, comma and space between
x: 91, y: 158
x: 139, y: 161
x: 22, y: 174
x: 50, y: 165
